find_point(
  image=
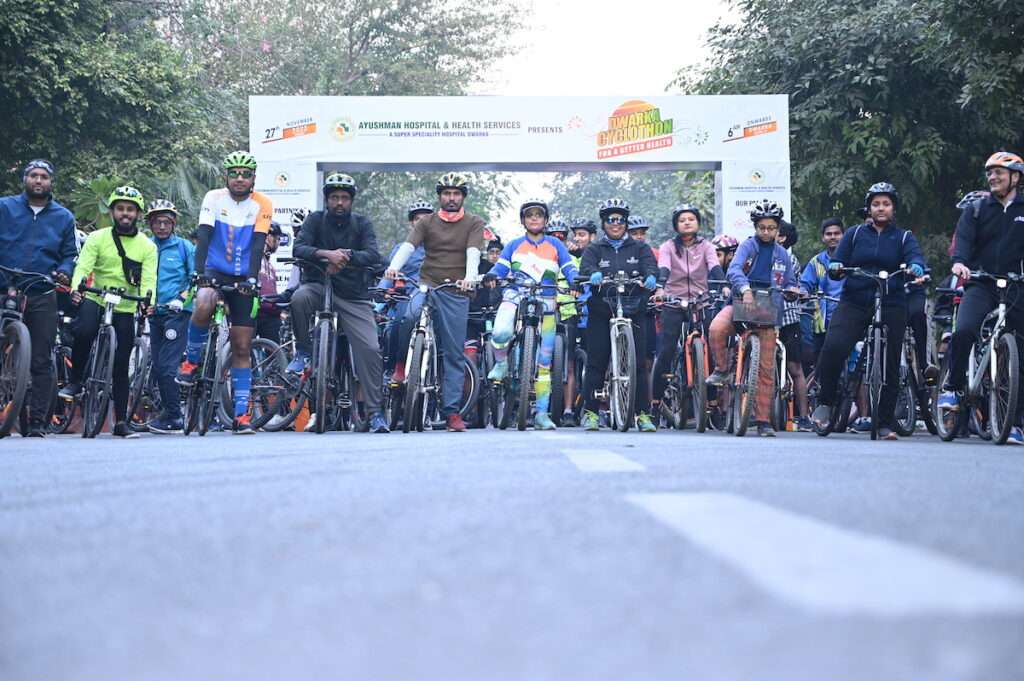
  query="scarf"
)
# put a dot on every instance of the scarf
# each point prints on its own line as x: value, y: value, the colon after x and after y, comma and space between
x: 448, y: 216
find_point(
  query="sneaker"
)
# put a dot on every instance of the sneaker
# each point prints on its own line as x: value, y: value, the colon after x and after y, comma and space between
x: 36, y: 429
x: 718, y: 378
x: 543, y: 422
x: 887, y: 434
x: 498, y: 371
x: 166, y: 426
x: 70, y: 392
x: 378, y: 424
x: 644, y: 423
x: 765, y: 430
x: 861, y: 425
x: 804, y: 425
x: 242, y: 425
x: 310, y: 424
x: 821, y: 416
x: 299, y: 362
x: 949, y: 400
x: 931, y: 374
x: 568, y: 420
x: 590, y: 421
x: 1016, y: 436
x: 122, y: 430
x: 454, y: 424
x: 275, y: 421
x: 185, y: 373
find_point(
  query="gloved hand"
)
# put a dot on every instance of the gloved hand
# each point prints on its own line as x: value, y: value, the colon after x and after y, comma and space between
x: 285, y: 296
x: 247, y: 287
x: 596, y: 278
x: 176, y: 305
x: 650, y: 283
x: 835, y: 270
x: 917, y: 270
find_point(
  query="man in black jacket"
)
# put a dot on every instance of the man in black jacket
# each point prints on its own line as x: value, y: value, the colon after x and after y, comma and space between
x: 603, y: 259
x: 347, y: 243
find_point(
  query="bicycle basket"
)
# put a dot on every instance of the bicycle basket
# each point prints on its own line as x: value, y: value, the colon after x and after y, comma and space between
x: 764, y: 311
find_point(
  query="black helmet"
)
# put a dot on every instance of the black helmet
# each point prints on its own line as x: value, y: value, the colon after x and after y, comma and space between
x: 684, y: 208
x: 584, y: 223
x: 557, y: 226
x: 533, y: 203
x: 882, y: 188
x: 417, y: 207
x: 495, y: 245
x: 767, y: 209
x: 610, y: 206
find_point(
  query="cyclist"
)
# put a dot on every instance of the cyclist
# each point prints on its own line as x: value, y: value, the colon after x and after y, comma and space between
x: 233, y: 226
x: 115, y: 257
x: 989, y: 237
x: 637, y: 227
x: 168, y: 327
x: 268, y: 319
x: 760, y: 263
x: 725, y: 249
x: 789, y: 334
x: 347, y: 241
x: 494, y: 248
x: 607, y: 256
x: 295, y: 273
x: 878, y: 244
x: 451, y: 238
x: 568, y: 315
x: 534, y: 258
x: 397, y: 342
x: 815, y: 279
x: 685, y: 263
x: 37, y: 234
x: 584, y: 230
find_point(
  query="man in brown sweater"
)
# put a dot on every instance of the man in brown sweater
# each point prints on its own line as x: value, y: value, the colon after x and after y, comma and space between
x: 451, y: 239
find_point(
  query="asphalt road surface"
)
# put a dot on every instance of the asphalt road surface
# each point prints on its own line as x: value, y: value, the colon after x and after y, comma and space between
x: 502, y: 555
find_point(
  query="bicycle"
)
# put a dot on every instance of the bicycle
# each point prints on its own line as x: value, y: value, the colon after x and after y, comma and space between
x: 993, y: 374
x: 870, y: 365
x: 143, y: 396
x: 62, y: 412
x: 685, y: 389
x: 15, y: 344
x: 98, y: 380
x: 620, y: 378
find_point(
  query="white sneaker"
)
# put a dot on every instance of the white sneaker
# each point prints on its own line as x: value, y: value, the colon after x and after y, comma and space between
x: 310, y: 425
x: 275, y: 421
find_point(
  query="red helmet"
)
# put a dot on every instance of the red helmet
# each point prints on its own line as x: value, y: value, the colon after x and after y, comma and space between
x: 724, y: 242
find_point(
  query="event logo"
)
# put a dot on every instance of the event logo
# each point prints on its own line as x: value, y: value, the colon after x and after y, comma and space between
x: 634, y: 127
x: 343, y: 129
x: 289, y: 130
x: 281, y: 179
x: 756, y: 177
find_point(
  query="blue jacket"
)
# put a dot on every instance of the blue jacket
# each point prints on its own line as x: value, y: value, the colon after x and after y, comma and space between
x: 42, y: 243
x: 815, y: 279
x: 782, y: 273
x: 863, y: 246
x: 177, y: 262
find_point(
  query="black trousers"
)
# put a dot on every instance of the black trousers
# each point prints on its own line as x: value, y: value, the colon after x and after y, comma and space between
x: 848, y: 325
x: 41, y: 319
x: 86, y: 327
x: 917, y: 320
x: 268, y: 325
x: 599, y: 351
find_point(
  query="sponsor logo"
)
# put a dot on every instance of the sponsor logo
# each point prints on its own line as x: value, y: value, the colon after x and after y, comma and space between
x: 762, y: 125
x: 635, y: 127
x: 281, y: 179
x: 756, y: 177
x: 604, y: 263
x: 343, y: 129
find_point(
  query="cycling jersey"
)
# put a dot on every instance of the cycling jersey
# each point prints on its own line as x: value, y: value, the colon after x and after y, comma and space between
x: 541, y: 261
x: 233, y: 224
x: 100, y: 258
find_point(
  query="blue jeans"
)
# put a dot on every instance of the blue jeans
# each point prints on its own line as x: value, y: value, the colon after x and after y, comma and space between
x: 168, y: 334
x: 451, y: 313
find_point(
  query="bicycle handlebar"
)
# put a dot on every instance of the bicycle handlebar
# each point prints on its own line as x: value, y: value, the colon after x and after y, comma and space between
x: 120, y: 292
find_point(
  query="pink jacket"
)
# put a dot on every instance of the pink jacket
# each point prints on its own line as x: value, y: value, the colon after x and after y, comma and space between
x: 688, y: 272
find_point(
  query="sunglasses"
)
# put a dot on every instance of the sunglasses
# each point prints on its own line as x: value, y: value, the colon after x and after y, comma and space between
x: 244, y: 174
x: 615, y: 220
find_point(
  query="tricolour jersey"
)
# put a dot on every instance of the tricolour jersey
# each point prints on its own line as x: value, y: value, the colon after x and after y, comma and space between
x: 233, y: 224
x: 541, y: 261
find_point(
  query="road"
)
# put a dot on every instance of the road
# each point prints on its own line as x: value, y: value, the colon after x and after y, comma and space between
x: 492, y: 556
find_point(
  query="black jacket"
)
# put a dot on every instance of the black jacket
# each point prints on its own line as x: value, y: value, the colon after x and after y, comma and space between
x: 994, y: 240
x: 324, y: 232
x: 633, y: 257
x: 863, y: 246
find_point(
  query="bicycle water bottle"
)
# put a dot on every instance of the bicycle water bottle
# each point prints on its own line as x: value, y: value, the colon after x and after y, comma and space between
x: 851, y: 363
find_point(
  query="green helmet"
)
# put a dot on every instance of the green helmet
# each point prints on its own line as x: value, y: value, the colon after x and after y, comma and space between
x: 127, y: 193
x: 453, y: 181
x: 240, y: 159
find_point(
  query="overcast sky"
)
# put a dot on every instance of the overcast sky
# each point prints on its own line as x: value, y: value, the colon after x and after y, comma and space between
x: 588, y: 47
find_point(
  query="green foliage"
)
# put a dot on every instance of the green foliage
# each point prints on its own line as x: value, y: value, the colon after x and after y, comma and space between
x: 917, y: 94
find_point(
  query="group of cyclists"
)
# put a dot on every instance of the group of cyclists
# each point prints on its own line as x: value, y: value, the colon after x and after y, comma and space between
x: 569, y: 323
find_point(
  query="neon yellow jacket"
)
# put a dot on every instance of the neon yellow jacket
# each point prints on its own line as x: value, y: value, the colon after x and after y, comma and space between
x: 99, y: 258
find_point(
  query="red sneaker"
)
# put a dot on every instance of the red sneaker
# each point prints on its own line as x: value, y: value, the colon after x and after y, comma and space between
x: 454, y: 424
x: 185, y: 373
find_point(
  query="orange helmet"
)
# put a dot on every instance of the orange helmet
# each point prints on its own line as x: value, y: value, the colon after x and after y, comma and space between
x: 1004, y: 159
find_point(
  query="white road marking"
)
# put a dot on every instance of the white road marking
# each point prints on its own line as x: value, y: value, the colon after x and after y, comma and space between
x: 602, y: 461
x: 829, y: 569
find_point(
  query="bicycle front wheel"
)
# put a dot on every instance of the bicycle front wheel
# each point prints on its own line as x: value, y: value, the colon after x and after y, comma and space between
x: 98, y: 383
x: 905, y: 421
x: 875, y: 384
x: 558, y: 380
x: 527, y: 369
x: 1002, y: 411
x: 412, y: 410
x: 698, y: 388
x: 623, y: 379
x: 746, y: 389
x: 15, y: 357
x: 139, y: 412
x: 324, y: 373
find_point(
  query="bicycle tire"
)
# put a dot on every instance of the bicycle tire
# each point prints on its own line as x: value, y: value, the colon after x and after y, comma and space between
x: 557, y: 401
x: 61, y: 412
x: 207, y: 377
x: 1002, y: 410
x: 15, y: 368
x: 875, y: 384
x: 623, y: 385
x: 323, y: 373
x: 699, y: 389
x: 527, y: 371
x: 672, y: 398
x: 413, y: 402
x: 99, y: 382
x: 905, y: 421
x: 581, y: 377
x: 138, y: 381
x: 780, y: 403
x: 746, y: 391
x: 470, y: 388
x: 348, y: 390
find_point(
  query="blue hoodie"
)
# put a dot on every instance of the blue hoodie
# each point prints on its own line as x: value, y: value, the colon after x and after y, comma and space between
x: 177, y: 262
x: 42, y: 243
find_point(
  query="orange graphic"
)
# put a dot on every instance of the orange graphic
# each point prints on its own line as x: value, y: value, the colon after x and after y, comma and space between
x: 636, y: 126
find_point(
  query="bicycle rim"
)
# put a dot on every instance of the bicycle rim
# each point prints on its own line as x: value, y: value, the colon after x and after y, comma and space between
x: 527, y: 369
x: 1002, y: 410
x: 558, y: 380
x: 413, y: 402
x: 699, y: 391
x: 746, y: 393
x: 324, y: 373
x: 905, y: 422
x: 14, y: 373
x: 99, y: 381
x: 624, y: 380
